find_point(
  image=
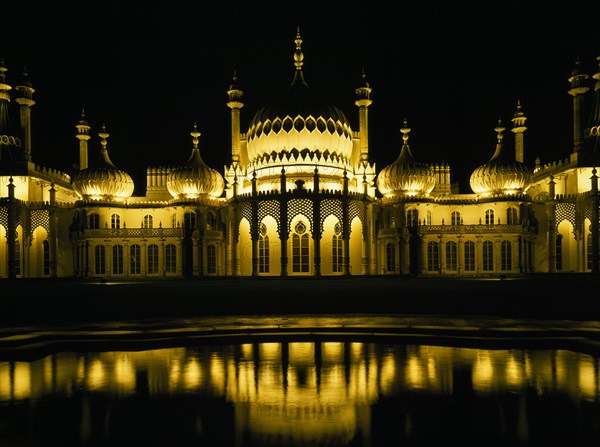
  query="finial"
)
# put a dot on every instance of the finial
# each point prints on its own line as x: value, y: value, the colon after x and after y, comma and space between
x: 3, y: 70
x: 298, y: 55
x: 195, y: 134
x: 499, y: 129
x: 103, y: 135
x: 405, y: 131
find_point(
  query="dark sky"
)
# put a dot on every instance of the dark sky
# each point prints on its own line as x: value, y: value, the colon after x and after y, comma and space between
x: 150, y: 70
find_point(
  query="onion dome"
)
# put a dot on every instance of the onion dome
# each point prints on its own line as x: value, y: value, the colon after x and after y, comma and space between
x: 103, y: 181
x: 502, y: 174
x: 195, y: 179
x: 298, y: 120
x: 405, y: 175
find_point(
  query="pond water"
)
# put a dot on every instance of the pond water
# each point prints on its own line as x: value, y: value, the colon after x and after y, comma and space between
x: 302, y: 390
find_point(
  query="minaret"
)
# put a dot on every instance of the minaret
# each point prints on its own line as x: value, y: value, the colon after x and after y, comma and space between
x: 363, y: 101
x: 577, y: 90
x: 592, y: 133
x: 235, y: 104
x: 518, y: 129
x: 25, y: 100
x: 4, y: 99
x: 83, y: 135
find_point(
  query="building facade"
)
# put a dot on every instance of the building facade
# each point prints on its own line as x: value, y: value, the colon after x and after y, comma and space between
x: 299, y: 197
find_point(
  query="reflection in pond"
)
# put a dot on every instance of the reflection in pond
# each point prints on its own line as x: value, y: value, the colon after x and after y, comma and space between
x: 303, y: 392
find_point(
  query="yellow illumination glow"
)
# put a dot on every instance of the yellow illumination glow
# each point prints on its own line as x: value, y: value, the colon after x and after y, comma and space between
x: 414, y: 373
x: 588, y: 380
x: 514, y: 375
x: 124, y: 373
x: 270, y: 351
x: 483, y: 372
x: 192, y: 374
x: 5, y: 381
x: 96, y: 375
x: 22, y: 380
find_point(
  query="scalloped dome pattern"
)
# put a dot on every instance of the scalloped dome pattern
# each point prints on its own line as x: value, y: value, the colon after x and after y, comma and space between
x: 299, y: 120
x: 195, y: 181
x: 105, y: 182
x: 500, y: 177
x: 405, y: 175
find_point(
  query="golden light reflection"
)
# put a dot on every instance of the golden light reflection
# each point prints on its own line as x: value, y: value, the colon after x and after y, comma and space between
x: 5, y: 381
x: 22, y: 380
x: 388, y: 372
x: 192, y: 374
x: 514, y: 372
x: 96, y: 375
x: 414, y: 372
x: 328, y: 394
x: 483, y: 372
x: 124, y: 373
x: 588, y: 379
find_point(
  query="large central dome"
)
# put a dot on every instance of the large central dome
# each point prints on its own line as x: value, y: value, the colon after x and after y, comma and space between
x: 299, y: 122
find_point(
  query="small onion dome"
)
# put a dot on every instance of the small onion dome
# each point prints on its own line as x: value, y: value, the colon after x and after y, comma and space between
x: 298, y: 119
x: 405, y: 175
x: 195, y: 179
x: 103, y: 181
x: 501, y: 174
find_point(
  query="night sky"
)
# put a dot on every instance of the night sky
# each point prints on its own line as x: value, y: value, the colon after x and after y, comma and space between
x: 149, y: 71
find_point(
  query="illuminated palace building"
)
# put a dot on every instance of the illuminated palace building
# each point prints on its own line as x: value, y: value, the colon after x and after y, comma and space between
x: 300, y: 196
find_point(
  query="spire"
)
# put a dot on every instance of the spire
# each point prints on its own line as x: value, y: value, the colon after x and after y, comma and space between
x: 298, y: 60
x: 235, y: 93
x: 518, y: 129
x: 83, y: 135
x: 195, y: 157
x: 103, y: 151
x: 4, y: 98
x: 499, y: 136
x: 405, y: 152
x: 592, y: 130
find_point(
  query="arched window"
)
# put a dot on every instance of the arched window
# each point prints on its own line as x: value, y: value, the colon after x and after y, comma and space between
x: 152, y: 259
x: 469, y: 249
x: 211, y: 221
x: 488, y: 256
x: 512, y: 216
x: 390, y: 257
x: 506, y: 255
x: 135, y: 263
x: 17, y: 257
x: 46, y: 248
x: 189, y: 220
x: 559, y: 253
x: 412, y: 218
x: 337, y: 246
x: 189, y: 223
x: 489, y: 217
x: 263, y: 249
x: 433, y: 256
x: 451, y: 256
x: 148, y: 221
x: 211, y: 260
x: 100, y: 258
x: 117, y: 259
x: 455, y: 218
x: 93, y: 221
x: 300, y: 261
x: 115, y: 221
x: 590, y: 252
x: 170, y: 258
x: 391, y: 219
